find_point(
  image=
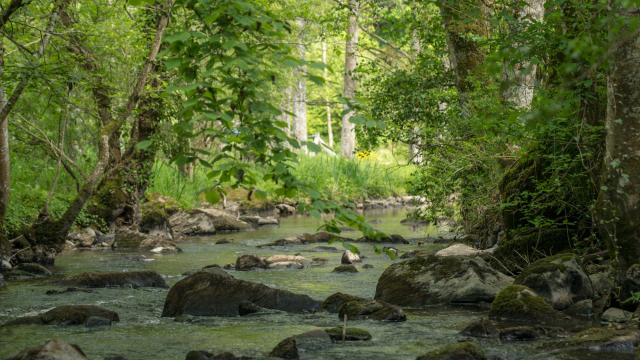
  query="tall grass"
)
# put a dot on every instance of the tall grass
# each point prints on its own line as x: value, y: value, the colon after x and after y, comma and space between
x: 345, y: 180
x: 337, y: 178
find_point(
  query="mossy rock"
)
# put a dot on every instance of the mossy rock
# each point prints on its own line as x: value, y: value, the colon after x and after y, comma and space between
x: 67, y: 315
x: 156, y: 210
x: 518, y: 303
x: 548, y: 264
x: 531, y: 242
x: 465, y: 350
x: 352, y: 334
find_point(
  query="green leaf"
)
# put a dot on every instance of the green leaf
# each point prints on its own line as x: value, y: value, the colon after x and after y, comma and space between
x: 212, y: 196
x: 144, y: 144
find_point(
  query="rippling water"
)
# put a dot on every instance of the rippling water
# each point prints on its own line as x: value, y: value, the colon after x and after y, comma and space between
x: 143, y: 334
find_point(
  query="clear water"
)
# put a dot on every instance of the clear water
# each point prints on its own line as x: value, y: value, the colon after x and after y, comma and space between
x: 143, y: 334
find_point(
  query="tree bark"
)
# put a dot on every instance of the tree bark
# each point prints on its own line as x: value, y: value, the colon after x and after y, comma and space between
x: 348, y: 133
x: 618, y: 206
x: 520, y: 78
x: 5, y: 165
x: 464, y: 22
x: 300, y: 91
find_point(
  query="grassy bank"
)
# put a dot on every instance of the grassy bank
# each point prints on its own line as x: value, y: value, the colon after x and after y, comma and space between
x: 379, y: 175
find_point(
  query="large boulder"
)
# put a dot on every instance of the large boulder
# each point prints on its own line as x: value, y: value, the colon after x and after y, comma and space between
x: 559, y: 279
x: 431, y: 280
x: 215, y: 292
x: 292, y: 347
x: 465, y: 350
x: 357, y: 308
x: 67, y: 315
x: 134, y: 279
x: 52, y: 350
x: 517, y: 303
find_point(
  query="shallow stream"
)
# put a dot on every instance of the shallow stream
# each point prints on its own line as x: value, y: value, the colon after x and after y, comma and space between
x: 142, y: 334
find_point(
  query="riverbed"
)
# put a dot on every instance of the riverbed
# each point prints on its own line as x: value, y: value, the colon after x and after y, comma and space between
x: 143, y: 334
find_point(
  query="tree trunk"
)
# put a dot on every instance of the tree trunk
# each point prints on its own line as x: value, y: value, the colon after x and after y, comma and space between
x: 618, y: 206
x: 326, y: 98
x: 300, y: 91
x: 464, y: 22
x: 348, y: 133
x: 519, y: 78
x: 54, y: 232
x: 5, y: 165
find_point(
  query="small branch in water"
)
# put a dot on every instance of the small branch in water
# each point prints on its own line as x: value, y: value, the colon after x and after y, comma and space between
x: 344, y: 329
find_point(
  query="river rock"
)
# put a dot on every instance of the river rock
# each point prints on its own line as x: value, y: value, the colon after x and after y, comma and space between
x: 319, y: 237
x: 223, y: 221
x: 559, y: 279
x: 582, y: 308
x: 256, y: 220
x: 205, y: 355
x: 465, y: 350
x: 519, y: 333
x: 325, y: 248
x: 357, y: 308
x: 216, y: 293
x: 52, y: 350
x: 482, y: 328
x: 84, y: 238
x: 292, y: 347
x: 250, y: 262
x: 134, y: 279
x: 462, y: 250
x: 191, y: 224
x: 351, y: 334
x: 518, y: 303
x: 345, y: 269
x: 349, y: 257
x: 66, y: 315
x: 285, y: 209
x: 434, y: 280
x: 615, y: 315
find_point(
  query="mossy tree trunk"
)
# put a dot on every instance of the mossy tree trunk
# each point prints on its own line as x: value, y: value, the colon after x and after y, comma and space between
x: 465, y: 21
x: 119, y: 195
x: 618, y: 206
x: 51, y: 231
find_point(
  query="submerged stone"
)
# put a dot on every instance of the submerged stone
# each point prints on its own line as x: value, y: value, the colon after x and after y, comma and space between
x: 519, y: 333
x: 460, y: 351
x: 134, y: 279
x: 67, y: 315
x: 351, y: 334
x: 205, y: 355
x: 291, y: 347
x: 345, y: 269
x: 482, y: 328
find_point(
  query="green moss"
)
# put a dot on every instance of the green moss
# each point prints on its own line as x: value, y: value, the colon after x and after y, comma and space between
x: 548, y: 264
x: 461, y: 350
x: 531, y: 243
x: 519, y: 303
